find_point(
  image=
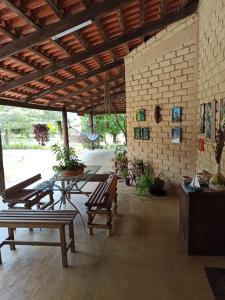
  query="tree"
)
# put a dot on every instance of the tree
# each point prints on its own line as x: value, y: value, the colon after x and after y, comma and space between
x: 106, y: 124
x: 20, y: 120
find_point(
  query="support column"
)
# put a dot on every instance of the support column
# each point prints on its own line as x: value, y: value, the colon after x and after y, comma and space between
x: 91, y: 123
x: 65, y: 128
x: 91, y: 129
x: 2, y: 176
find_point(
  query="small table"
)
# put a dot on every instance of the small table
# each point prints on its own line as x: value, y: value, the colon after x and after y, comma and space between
x: 69, y: 185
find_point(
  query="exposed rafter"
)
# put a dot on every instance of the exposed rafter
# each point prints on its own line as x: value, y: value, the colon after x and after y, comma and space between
x: 163, y: 8
x: 86, y: 89
x: 122, y: 27
x: 68, y: 22
x: 20, y: 13
x: 68, y: 82
x: 142, y: 14
x: 148, y: 28
x: 55, y: 8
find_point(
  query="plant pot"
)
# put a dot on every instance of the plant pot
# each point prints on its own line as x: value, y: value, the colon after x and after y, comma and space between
x: 156, y: 191
x: 217, y: 181
x: 68, y: 173
x: 127, y: 180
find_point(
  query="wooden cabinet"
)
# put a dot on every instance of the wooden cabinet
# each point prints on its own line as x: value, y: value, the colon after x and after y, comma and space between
x: 202, y: 221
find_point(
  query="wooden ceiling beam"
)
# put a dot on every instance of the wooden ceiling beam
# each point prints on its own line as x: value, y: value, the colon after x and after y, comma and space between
x: 54, y: 8
x: 163, y: 8
x: 88, y: 88
x: 68, y: 22
x: 31, y: 105
x: 79, y: 78
x: 148, y: 28
x: 20, y: 13
x: 100, y: 94
x: 34, y: 24
x: 122, y: 27
x: 115, y: 96
x: 142, y: 15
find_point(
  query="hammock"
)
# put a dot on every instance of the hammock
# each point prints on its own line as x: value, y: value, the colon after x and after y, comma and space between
x: 80, y: 137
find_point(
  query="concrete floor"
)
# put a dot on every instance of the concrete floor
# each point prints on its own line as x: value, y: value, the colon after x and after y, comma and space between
x: 143, y: 259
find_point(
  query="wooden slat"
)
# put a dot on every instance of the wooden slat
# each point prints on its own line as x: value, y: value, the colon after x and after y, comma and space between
x: 148, y: 28
x: 31, y: 243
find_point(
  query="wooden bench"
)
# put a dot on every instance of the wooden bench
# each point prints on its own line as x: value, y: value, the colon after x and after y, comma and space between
x: 19, y: 193
x: 103, y: 201
x: 39, y: 219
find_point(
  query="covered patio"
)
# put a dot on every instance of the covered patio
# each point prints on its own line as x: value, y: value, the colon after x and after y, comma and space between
x: 143, y: 259
x: 162, y: 63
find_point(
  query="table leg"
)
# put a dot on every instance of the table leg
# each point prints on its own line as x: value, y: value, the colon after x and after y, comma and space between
x: 63, y: 194
x: 11, y: 236
x: 63, y: 246
x: 71, y: 235
x: 74, y: 206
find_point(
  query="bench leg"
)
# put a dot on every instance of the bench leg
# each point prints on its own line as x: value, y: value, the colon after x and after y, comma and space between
x: 63, y: 246
x: 115, y: 204
x: 0, y: 258
x: 90, y: 229
x: 11, y: 236
x: 71, y: 235
x: 109, y: 222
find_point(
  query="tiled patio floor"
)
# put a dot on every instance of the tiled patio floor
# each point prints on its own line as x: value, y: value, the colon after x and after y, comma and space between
x: 144, y: 259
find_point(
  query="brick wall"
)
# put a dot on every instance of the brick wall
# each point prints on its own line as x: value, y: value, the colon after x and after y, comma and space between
x: 163, y: 71
x: 211, y: 75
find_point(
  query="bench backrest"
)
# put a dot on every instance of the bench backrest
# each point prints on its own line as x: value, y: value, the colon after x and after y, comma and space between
x: 111, y: 190
x: 18, y: 187
x: 104, y: 194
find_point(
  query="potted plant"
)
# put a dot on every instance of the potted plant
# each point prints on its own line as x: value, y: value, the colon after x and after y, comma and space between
x: 148, y: 182
x: 145, y: 180
x: 126, y: 176
x: 68, y: 162
x: 157, y: 187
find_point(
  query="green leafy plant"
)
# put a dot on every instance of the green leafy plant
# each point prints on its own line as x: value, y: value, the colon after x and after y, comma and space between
x: 145, y: 181
x: 66, y: 158
x: 125, y: 172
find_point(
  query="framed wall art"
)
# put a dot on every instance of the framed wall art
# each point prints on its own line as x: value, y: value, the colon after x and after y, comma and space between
x: 145, y: 133
x: 176, y: 113
x: 176, y: 135
x: 140, y: 115
x: 137, y: 133
x: 208, y: 117
x: 222, y: 112
x: 213, y: 121
x: 202, y: 119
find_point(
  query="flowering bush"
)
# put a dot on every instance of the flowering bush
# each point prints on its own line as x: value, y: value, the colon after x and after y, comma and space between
x: 41, y: 133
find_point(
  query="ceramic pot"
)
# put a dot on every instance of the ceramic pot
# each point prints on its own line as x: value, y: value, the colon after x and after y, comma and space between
x: 217, y: 181
x: 68, y: 173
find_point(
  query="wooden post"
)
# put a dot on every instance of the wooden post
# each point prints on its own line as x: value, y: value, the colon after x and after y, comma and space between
x: 2, y: 176
x: 91, y: 128
x: 65, y: 128
x: 91, y: 123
